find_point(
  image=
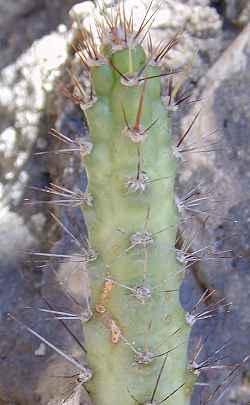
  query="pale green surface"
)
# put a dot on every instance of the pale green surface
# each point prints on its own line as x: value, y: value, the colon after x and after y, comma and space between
x: 117, y: 214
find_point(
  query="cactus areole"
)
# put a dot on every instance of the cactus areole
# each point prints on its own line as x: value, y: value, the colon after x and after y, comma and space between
x: 136, y: 335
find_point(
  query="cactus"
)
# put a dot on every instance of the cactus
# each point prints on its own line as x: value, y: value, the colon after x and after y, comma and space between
x: 136, y: 333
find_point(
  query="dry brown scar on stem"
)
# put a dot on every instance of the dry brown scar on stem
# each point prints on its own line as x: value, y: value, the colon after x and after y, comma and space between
x: 104, y: 296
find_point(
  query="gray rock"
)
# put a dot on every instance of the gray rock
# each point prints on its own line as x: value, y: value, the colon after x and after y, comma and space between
x: 225, y: 174
x: 29, y: 372
x: 234, y: 8
x: 24, y: 21
x: 244, y: 16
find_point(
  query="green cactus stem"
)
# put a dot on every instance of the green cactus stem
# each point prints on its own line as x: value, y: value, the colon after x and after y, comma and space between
x: 137, y: 334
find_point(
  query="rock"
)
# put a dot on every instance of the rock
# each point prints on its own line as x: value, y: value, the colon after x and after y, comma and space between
x: 25, y: 119
x: 244, y: 16
x: 224, y: 174
x: 24, y: 21
x: 234, y: 8
x: 24, y: 88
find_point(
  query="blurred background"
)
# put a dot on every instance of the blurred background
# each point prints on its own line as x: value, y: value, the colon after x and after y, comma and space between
x: 34, y: 55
